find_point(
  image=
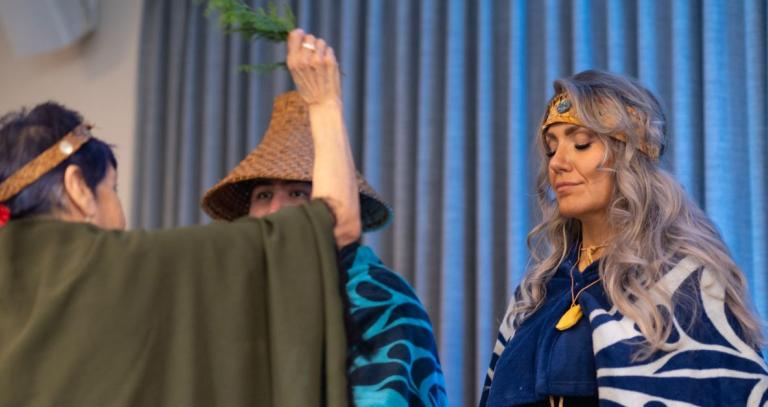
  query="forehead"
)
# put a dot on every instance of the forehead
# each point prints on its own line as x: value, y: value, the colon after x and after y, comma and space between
x: 265, y: 183
x: 564, y: 129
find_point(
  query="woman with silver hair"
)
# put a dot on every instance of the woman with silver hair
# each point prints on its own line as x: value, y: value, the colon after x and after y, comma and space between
x: 631, y: 296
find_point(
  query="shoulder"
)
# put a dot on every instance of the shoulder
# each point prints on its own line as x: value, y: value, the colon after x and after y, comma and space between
x: 368, y: 274
x: 679, y: 277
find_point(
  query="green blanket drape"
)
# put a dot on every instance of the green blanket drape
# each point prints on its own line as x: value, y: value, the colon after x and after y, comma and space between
x: 239, y: 314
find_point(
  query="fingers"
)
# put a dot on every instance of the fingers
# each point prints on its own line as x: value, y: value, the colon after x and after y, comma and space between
x: 294, y: 41
x: 308, y: 45
x: 320, y: 48
x: 313, y: 66
x: 306, y: 50
x: 329, y: 58
x: 313, y: 49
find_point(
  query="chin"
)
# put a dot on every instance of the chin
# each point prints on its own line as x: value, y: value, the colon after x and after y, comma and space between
x: 572, y: 211
x: 580, y: 212
x: 566, y: 209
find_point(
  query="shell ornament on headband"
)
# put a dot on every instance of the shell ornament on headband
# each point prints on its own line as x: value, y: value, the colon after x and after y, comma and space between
x: 561, y: 110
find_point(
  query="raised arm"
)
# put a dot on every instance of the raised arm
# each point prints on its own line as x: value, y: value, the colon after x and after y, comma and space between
x: 315, y: 71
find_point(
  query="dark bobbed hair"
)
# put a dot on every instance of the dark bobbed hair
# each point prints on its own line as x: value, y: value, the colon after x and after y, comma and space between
x: 25, y: 134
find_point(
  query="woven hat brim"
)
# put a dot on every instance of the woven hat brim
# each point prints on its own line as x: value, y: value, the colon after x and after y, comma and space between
x: 285, y: 153
x: 231, y: 199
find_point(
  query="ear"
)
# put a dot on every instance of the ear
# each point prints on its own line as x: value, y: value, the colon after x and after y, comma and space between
x: 81, y: 198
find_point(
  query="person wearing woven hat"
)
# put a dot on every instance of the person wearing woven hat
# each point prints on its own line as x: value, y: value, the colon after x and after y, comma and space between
x: 392, y: 354
x: 631, y: 297
x: 214, y: 315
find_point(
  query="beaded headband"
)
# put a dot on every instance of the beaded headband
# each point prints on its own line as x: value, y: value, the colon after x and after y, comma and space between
x: 46, y: 161
x: 560, y: 111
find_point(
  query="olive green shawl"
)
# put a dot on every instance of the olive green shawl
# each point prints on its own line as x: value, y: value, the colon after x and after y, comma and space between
x: 238, y: 314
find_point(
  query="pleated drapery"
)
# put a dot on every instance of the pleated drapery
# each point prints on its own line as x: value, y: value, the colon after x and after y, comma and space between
x: 442, y: 100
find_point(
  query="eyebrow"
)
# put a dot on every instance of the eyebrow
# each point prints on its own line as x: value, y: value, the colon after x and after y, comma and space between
x: 570, y: 130
x: 297, y: 183
x: 261, y: 182
x: 271, y: 183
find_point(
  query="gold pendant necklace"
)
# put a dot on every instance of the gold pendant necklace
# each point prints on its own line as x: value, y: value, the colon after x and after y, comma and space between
x: 590, y: 250
x: 574, y: 313
x: 570, y: 318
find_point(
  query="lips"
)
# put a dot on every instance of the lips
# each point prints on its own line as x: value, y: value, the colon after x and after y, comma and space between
x: 565, y: 186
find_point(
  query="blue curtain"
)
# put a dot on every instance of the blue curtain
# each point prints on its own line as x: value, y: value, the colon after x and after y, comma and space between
x: 442, y: 99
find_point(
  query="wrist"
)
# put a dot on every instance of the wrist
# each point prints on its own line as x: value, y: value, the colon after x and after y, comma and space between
x: 328, y: 103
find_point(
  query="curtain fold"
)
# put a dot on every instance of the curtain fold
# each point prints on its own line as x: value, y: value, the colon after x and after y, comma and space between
x: 756, y: 44
x: 443, y: 99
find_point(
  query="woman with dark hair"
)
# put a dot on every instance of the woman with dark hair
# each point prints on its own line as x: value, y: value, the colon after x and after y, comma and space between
x: 82, y: 187
x: 631, y: 298
x: 224, y: 314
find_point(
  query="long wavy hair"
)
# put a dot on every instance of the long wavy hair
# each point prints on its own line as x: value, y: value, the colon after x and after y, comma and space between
x: 655, y: 224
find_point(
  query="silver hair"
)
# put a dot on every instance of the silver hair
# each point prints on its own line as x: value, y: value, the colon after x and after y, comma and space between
x: 656, y: 224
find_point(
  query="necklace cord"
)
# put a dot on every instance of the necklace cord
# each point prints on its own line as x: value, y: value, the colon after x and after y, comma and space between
x: 590, y: 250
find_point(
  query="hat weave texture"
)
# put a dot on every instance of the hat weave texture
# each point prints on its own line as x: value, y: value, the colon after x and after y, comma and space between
x: 285, y: 153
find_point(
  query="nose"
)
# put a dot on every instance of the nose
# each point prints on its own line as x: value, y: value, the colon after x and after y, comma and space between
x: 560, y: 161
x: 278, y: 201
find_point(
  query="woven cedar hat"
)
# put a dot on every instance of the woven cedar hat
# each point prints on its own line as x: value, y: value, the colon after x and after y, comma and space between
x: 285, y: 153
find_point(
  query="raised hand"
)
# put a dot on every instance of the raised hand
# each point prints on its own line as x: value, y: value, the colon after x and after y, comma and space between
x: 313, y: 67
x: 316, y: 74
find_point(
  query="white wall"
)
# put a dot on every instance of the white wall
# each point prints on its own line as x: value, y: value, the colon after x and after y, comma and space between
x: 96, y: 77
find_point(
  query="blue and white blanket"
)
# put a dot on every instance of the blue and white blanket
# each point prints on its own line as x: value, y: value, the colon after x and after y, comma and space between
x: 392, y: 353
x: 709, y: 363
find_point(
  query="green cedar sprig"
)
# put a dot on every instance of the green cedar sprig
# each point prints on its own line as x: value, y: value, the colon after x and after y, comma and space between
x: 254, y: 23
x: 262, y: 68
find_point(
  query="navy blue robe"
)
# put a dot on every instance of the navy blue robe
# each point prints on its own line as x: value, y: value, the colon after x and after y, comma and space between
x: 708, y: 364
